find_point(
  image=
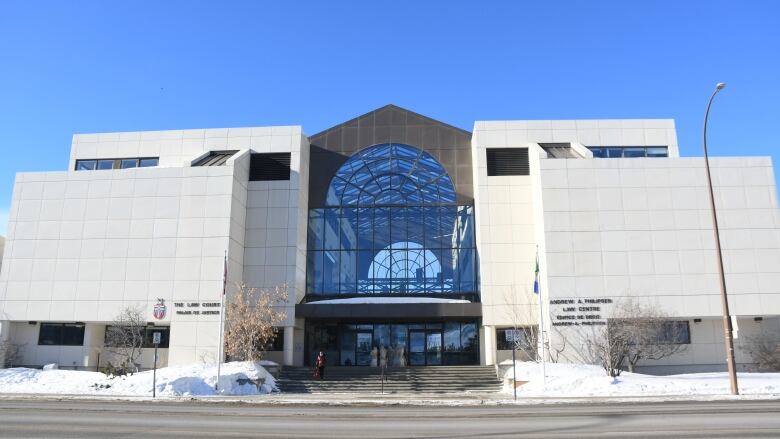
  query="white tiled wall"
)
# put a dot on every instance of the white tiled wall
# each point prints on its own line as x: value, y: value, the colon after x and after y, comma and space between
x: 643, y: 228
x: 177, y: 148
x: 603, y: 132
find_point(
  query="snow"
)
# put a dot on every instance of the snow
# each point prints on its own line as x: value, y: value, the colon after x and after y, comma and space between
x: 387, y: 300
x: 578, y: 380
x: 187, y: 380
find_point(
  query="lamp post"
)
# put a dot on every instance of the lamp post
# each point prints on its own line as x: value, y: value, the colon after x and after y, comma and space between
x: 727, y: 329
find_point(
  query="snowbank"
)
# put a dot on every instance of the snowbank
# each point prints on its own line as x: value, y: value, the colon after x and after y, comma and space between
x: 188, y: 380
x: 387, y: 300
x: 578, y: 380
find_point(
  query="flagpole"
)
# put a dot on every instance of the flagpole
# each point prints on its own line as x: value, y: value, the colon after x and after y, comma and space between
x: 221, y: 324
x: 541, y: 322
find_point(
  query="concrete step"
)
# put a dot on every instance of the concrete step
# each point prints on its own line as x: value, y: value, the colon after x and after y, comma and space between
x: 422, y: 379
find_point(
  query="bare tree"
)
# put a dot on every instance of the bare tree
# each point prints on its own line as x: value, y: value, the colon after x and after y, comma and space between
x: 125, y: 338
x: 764, y: 349
x: 634, y: 332
x: 251, y: 316
x: 521, y: 315
x: 557, y: 346
x: 10, y: 353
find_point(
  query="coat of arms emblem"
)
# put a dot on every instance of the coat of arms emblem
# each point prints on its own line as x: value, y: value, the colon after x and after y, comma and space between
x: 159, y: 309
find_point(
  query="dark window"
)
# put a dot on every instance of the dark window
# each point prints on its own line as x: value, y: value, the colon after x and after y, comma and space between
x: 61, y: 334
x: 165, y: 335
x: 276, y: 343
x: 269, y: 166
x: 675, y: 332
x: 121, y: 163
x: 215, y: 158
x: 148, y: 335
x: 507, y: 161
x: 504, y: 337
x: 613, y: 152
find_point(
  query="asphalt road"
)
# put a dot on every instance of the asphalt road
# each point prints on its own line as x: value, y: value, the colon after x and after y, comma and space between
x: 111, y: 419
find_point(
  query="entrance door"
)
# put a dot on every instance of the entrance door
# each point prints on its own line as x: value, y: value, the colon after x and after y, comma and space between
x: 433, y: 348
x: 347, y: 348
x: 417, y: 348
x: 364, y: 340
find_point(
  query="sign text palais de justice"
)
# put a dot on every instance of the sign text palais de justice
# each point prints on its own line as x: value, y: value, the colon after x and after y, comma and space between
x: 195, y: 308
x: 579, y: 312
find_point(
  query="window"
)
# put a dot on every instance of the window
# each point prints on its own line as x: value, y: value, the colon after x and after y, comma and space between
x: 85, y: 165
x: 391, y: 226
x: 504, y: 337
x: 269, y: 166
x: 276, y: 343
x: 675, y: 332
x: 613, y: 152
x: 129, y: 163
x: 61, y: 334
x: 122, y: 163
x: 148, y: 336
x: 507, y: 161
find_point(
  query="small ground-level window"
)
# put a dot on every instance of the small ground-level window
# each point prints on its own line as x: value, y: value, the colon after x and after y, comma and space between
x: 505, y: 336
x: 148, y: 335
x: 675, y: 332
x: 276, y: 343
x: 165, y: 335
x: 61, y: 334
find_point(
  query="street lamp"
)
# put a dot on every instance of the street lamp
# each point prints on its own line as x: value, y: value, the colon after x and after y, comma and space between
x: 727, y: 329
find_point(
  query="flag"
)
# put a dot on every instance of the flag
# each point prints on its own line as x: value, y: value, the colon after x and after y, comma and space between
x: 536, y: 274
x: 224, y: 277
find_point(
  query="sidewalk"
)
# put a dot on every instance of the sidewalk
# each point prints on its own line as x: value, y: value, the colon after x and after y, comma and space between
x: 352, y: 399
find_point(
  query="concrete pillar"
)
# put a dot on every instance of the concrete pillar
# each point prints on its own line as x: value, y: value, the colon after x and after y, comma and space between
x: 289, y: 345
x: 490, y: 345
x: 5, y: 337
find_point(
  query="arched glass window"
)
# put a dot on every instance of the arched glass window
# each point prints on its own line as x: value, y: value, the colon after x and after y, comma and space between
x: 391, y: 226
x: 391, y: 175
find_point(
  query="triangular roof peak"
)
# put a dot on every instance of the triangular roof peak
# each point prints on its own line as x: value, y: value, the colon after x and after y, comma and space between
x: 389, y: 115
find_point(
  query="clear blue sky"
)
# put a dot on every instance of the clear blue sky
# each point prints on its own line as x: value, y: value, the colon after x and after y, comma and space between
x: 75, y: 67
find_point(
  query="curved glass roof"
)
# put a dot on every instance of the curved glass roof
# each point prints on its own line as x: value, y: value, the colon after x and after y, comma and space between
x: 391, y: 174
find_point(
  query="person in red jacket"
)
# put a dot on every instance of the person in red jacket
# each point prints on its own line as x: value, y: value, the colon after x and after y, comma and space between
x: 320, y: 363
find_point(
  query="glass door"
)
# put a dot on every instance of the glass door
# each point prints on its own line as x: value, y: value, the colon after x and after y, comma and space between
x: 364, y: 342
x: 347, y: 348
x: 433, y: 348
x: 417, y: 348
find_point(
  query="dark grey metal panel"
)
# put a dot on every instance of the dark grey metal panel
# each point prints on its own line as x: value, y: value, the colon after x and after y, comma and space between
x: 450, y: 145
x: 388, y: 310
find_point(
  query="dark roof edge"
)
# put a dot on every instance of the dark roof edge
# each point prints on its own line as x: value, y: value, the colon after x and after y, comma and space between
x: 390, y: 106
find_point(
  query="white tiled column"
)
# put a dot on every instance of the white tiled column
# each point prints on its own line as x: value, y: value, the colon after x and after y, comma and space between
x: 289, y: 345
x: 489, y: 345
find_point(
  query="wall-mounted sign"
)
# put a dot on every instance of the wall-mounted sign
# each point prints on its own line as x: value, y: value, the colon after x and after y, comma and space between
x: 197, y: 308
x: 580, y: 311
x: 160, y: 309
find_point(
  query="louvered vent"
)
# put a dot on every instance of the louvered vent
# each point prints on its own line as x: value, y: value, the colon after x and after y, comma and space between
x: 270, y: 166
x: 507, y: 161
x: 215, y: 158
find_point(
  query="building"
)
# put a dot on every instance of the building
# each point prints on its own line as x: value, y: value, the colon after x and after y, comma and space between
x: 391, y: 229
